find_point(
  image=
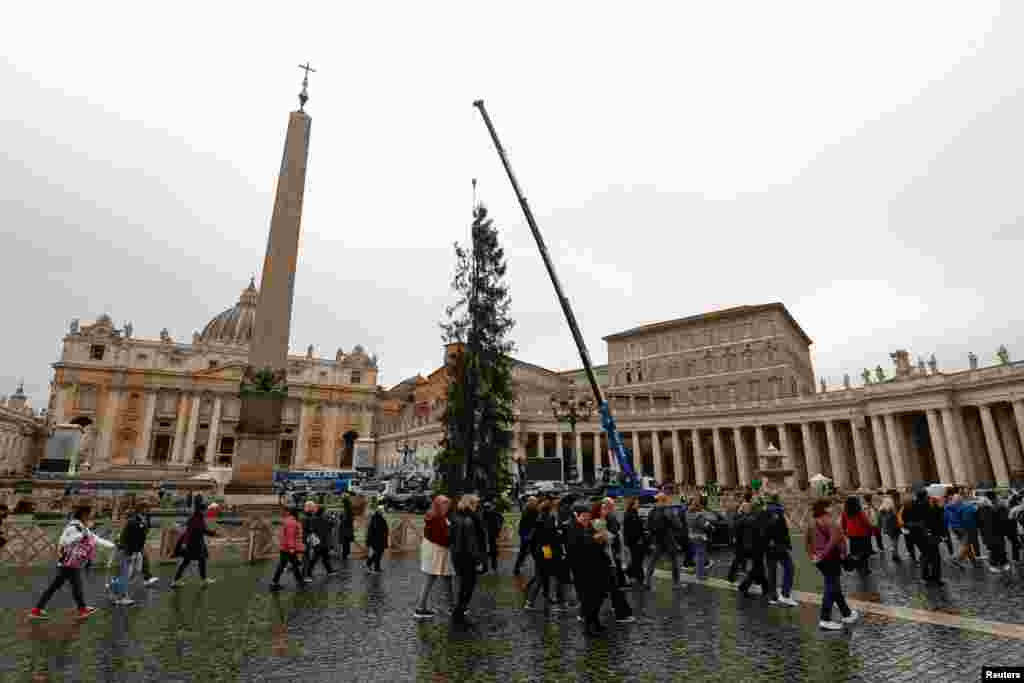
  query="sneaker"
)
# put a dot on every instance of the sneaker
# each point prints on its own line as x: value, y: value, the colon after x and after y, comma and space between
x: 579, y: 618
x: 37, y: 613
x: 307, y: 580
x: 333, y: 572
x: 626, y: 620
x: 788, y: 601
x: 995, y: 570
x: 853, y: 616
x: 178, y: 583
x: 775, y: 602
x: 830, y: 625
x: 423, y: 614
x: 152, y: 580
x: 528, y: 605
x: 709, y: 564
x: 86, y: 612
x: 273, y: 586
x: 207, y: 582
x: 124, y: 602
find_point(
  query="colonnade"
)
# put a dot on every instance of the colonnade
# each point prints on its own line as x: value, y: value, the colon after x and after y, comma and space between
x: 948, y: 443
x: 15, y: 449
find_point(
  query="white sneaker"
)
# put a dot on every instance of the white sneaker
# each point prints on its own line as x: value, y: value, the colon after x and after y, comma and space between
x: 830, y: 625
x: 788, y: 601
x: 152, y: 580
x: 995, y: 570
x: 854, y: 616
x: 124, y: 602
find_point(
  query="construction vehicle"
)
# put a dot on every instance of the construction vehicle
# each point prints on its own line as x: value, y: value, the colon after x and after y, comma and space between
x: 626, y: 482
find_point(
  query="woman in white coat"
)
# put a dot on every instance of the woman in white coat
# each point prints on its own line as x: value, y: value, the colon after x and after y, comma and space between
x: 435, y: 559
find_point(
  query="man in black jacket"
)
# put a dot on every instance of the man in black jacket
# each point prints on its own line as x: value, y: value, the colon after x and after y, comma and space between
x: 318, y: 532
x: 755, y: 543
x: 590, y: 568
x: 778, y: 547
x: 742, y: 535
x: 468, y: 552
x: 666, y: 528
x: 493, y: 521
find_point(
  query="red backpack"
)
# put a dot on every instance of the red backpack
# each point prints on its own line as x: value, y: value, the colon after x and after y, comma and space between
x: 78, y: 554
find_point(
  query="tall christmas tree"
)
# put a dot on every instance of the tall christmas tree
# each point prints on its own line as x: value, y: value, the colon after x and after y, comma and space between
x: 479, y: 414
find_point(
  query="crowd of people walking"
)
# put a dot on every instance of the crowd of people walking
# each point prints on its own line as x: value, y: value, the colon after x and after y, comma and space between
x: 584, y: 553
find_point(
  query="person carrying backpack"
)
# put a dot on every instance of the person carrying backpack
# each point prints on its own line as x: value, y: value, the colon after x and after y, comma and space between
x: 317, y: 541
x: 76, y: 547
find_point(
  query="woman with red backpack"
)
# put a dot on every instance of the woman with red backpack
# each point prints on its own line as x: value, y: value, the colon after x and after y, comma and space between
x: 77, y: 547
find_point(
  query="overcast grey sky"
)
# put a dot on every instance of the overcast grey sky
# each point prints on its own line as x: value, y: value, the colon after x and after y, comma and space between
x: 860, y: 163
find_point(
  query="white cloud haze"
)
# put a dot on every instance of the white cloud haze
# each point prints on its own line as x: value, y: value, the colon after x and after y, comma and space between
x: 859, y: 163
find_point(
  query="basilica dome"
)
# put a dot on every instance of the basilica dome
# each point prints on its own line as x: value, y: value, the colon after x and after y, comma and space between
x: 235, y: 325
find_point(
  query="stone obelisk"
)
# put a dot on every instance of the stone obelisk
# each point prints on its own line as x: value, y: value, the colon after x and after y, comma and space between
x: 264, y: 386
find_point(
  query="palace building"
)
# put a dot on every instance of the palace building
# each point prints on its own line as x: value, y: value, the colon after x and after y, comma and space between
x: 698, y: 399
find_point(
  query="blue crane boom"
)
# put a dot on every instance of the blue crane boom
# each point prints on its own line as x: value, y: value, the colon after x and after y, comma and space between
x: 630, y: 484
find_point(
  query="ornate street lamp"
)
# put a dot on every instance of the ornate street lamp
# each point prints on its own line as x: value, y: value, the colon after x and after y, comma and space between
x: 570, y: 411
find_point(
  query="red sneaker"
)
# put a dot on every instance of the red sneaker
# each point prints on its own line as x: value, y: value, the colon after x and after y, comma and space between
x: 85, y: 612
x: 37, y: 613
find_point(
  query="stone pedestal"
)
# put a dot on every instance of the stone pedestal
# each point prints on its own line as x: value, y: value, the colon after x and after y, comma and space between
x: 773, y: 472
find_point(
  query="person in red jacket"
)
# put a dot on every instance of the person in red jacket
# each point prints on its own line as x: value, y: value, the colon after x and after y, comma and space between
x: 292, y: 548
x: 859, y: 530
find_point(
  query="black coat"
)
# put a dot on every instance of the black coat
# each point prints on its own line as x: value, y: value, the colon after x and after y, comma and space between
x: 133, y: 536
x: 665, y: 528
x: 193, y: 542
x: 346, y: 525
x: 775, y: 529
x: 591, y: 566
x: 633, y: 528
x: 377, y: 532
x: 493, y: 520
x: 467, y: 541
x: 527, y: 522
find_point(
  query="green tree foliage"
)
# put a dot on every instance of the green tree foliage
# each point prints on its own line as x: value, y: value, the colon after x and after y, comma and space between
x: 479, y: 414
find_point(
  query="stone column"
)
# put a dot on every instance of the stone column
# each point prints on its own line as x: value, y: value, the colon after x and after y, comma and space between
x: 214, y: 431
x: 659, y: 468
x: 995, y: 449
x: 700, y: 469
x: 677, y: 458
x: 179, y: 428
x: 300, y: 439
x: 61, y: 407
x: 956, y: 455
x: 760, y: 441
x: 742, y: 456
x: 899, y: 464
x: 865, y: 472
x: 578, y: 452
x: 1018, y: 414
x: 193, y: 427
x: 882, y: 451
x: 939, y: 446
x: 104, y: 453
x: 811, y: 453
x: 788, y: 457
x: 837, y: 456
x: 632, y: 404
x: 721, y: 462
x: 142, y: 452
x: 1011, y: 443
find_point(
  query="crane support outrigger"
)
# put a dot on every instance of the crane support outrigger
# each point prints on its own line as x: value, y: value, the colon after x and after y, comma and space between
x: 630, y: 483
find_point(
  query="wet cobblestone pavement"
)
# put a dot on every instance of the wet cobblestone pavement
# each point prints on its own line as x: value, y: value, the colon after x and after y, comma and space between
x: 358, y: 627
x: 972, y: 592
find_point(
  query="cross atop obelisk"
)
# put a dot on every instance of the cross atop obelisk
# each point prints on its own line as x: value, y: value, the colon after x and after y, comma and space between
x: 304, y: 95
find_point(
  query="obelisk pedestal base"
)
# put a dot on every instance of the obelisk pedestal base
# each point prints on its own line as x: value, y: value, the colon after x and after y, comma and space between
x: 252, y: 476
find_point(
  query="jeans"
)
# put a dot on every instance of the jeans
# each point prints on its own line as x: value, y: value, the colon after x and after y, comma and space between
x: 637, y: 552
x: 659, y: 552
x: 546, y: 570
x: 124, y: 573
x: 287, y: 559
x: 74, y: 576
x: 699, y: 550
x: 831, y: 570
x: 201, y: 561
x: 428, y: 584
x: 373, y: 556
x: 777, y: 557
x: 756, y: 574
x: 466, y: 570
